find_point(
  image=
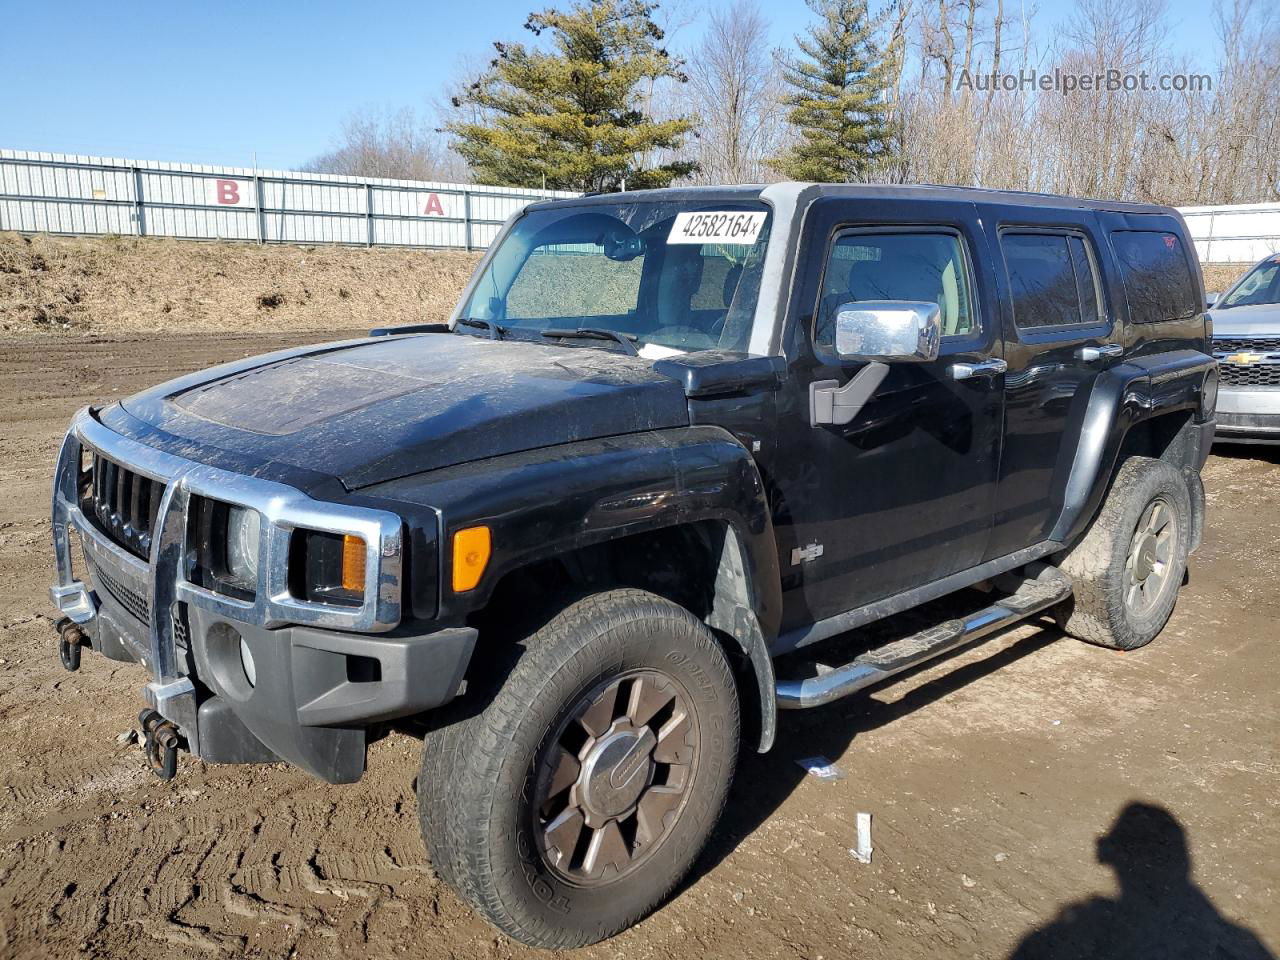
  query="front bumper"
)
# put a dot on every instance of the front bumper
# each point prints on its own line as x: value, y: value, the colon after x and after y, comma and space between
x: 247, y: 681
x: 1248, y: 414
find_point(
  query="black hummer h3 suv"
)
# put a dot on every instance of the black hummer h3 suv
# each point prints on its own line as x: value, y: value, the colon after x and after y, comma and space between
x: 666, y: 439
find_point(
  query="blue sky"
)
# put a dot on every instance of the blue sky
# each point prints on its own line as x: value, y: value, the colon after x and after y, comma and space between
x: 217, y: 82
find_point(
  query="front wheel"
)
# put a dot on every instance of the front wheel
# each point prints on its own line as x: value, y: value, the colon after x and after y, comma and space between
x: 1127, y: 569
x: 574, y: 803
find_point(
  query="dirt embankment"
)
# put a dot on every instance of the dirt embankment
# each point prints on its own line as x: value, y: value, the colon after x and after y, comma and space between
x: 118, y: 285
x: 1218, y: 277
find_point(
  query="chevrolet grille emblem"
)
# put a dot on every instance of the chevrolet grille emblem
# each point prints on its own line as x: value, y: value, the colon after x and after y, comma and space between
x: 1244, y: 359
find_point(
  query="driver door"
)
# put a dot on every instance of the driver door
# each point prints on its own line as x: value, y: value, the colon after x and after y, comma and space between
x: 902, y: 495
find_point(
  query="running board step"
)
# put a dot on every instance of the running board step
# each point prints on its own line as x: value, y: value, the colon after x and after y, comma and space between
x: 1049, y: 587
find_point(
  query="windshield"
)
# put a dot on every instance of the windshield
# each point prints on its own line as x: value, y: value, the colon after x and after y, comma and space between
x: 1259, y: 285
x: 673, y: 276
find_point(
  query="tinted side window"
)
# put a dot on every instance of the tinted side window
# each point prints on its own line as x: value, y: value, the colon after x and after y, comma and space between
x: 1157, y: 277
x: 928, y: 267
x: 1052, y: 280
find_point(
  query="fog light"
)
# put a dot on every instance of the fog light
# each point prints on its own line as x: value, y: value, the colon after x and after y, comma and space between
x: 246, y: 662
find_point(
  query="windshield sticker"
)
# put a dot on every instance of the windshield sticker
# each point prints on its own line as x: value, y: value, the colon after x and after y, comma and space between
x: 710, y: 226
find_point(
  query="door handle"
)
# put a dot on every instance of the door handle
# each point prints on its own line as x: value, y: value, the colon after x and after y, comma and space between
x: 1094, y: 354
x: 987, y: 368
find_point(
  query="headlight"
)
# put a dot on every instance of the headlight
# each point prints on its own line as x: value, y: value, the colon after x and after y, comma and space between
x: 243, y: 530
x: 223, y: 540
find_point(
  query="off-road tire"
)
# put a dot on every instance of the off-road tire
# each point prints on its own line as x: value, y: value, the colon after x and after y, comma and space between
x: 1097, y: 611
x: 479, y: 775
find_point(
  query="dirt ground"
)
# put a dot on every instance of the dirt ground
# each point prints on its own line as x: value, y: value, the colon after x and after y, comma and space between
x: 1032, y: 797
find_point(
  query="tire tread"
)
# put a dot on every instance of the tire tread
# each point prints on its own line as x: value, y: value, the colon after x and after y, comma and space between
x: 1096, y: 612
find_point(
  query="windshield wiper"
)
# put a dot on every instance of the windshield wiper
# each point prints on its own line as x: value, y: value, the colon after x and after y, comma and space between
x: 628, y: 340
x: 495, y: 332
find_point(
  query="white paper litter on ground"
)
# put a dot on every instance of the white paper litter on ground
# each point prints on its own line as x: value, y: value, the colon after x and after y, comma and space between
x: 822, y: 768
x: 862, y: 851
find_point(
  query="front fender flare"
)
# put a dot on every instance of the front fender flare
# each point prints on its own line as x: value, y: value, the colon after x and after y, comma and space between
x: 547, y: 502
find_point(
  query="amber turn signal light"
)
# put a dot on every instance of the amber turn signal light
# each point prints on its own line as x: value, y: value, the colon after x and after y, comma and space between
x: 353, y: 564
x: 471, y: 547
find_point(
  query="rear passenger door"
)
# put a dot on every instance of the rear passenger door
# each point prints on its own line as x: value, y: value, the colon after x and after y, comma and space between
x: 1059, y: 334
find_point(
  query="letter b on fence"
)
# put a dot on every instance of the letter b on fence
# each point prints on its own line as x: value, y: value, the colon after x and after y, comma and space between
x: 227, y: 192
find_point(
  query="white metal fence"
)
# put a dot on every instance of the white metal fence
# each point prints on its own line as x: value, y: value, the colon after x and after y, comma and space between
x: 1240, y: 233
x: 58, y: 193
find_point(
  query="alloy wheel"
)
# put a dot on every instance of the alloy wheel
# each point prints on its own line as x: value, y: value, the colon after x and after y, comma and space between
x: 615, y: 778
x: 1149, y: 562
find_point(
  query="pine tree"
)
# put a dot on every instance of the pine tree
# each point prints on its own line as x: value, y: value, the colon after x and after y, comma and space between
x: 837, y: 101
x: 572, y: 117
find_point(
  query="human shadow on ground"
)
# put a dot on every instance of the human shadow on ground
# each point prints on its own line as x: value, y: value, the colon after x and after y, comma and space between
x: 1160, y: 913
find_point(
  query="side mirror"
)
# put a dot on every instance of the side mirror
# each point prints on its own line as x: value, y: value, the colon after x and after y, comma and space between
x: 1210, y: 299
x: 888, y: 330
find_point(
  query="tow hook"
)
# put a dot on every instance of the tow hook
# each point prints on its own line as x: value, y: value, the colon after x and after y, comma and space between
x: 160, y: 741
x: 70, y: 639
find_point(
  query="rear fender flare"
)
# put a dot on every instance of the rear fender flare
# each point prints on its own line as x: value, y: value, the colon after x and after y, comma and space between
x: 1123, y: 396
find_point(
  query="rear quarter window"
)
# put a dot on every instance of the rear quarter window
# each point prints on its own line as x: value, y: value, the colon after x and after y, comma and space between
x: 1156, y: 275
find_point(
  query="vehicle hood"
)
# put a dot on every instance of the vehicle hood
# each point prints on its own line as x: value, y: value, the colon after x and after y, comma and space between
x: 1259, y: 319
x: 368, y: 411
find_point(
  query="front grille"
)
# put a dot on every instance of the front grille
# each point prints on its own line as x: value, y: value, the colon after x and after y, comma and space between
x: 1262, y: 371
x: 134, y: 602
x: 1250, y: 375
x: 124, y: 504
x: 1252, y: 344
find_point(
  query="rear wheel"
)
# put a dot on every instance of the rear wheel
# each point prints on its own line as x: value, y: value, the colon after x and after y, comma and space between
x: 1129, y: 566
x: 572, y: 805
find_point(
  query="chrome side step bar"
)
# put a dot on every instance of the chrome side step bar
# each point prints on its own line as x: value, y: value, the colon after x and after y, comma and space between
x: 1049, y: 587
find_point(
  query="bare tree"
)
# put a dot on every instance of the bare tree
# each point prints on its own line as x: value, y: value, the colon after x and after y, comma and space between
x: 1214, y: 139
x: 1095, y: 139
x: 1241, y: 163
x: 399, y: 145
x: 736, y: 89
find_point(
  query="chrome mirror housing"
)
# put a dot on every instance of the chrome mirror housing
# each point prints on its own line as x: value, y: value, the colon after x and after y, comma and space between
x: 888, y: 330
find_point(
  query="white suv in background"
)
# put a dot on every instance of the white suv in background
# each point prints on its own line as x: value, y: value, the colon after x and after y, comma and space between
x: 1246, y: 342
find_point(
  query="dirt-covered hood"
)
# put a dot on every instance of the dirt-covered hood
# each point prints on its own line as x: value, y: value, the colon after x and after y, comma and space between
x: 368, y: 411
